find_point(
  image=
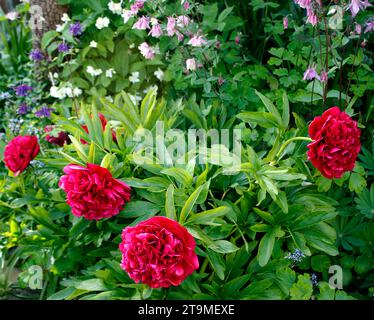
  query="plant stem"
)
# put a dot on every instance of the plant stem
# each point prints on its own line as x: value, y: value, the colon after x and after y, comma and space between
x: 284, y: 146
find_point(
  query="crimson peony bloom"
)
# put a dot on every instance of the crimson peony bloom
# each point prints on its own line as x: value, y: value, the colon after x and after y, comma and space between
x: 20, y: 152
x: 104, y: 122
x: 158, y: 252
x: 59, y: 140
x: 92, y: 192
x: 336, y: 143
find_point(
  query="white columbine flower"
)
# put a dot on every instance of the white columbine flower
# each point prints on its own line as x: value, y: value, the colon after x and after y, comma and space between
x: 159, y: 74
x: 102, y: 23
x: 135, y: 99
x: 93, y: 44
x: 109, y: 73
x: 77, y: 92
x: 134, y: 78
x: 94, y: 72
x: 115, y: 7
x: 65, y: 18
x: 127, y: 15
x: 60, y: 27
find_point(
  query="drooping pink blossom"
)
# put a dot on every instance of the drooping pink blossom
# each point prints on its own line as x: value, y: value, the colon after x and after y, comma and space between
x: 197, y: 41
x: 369, y: 26
x: 191, y: 64
x: 358, y: 5
x: 170, y: 28
x: 285, y: 23
x: 311, y: 74
x: 324, y: 76
x: 156, y: 31
x: 147, y: 51
x: 142, y: 23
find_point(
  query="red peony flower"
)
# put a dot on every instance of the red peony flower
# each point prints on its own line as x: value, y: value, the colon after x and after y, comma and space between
x: 20, y: 152
x: 92, y: 192
x: 158, y: 252
x: 58, y: 140
x: 336, y: 143
x: 104, y: 122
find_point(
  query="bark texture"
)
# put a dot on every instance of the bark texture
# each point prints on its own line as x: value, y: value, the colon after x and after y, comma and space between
x: 51, y: 16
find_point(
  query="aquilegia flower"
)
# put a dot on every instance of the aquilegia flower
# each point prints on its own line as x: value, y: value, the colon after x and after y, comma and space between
x: 369, y: 26
x: 142, y: 23
x: 102, y: 23
x: 191, y: 64
x: 158, y: 252
x: 92, y: 192
x: 336, y: 143
x: 311, y: 74
x: 22, y: 90
x: 197, y: 41
x: 156, y: 30
x: 20, y: 152
x: 357, y: 5
x: 56, y: 138
x: 75, y: 29
x: 36, y: 55
x: 147, y: 51
x: 170, y: 27
x: 285, y: 23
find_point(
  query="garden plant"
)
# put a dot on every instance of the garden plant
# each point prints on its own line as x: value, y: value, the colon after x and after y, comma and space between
x: 187, y: 150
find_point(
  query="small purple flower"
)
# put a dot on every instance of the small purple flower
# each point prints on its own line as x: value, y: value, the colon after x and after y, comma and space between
x: 311, y: 74
x: 63, y: 47
x: 22, y: 90
x: 44, y: 112
x: 75, y: 29
x: 23, y: 109
x: 36, y: 55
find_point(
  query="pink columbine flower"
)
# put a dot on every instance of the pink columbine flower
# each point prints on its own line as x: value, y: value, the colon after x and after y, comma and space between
x: 191, y: 64
x: 138, y: 5
x: 197, y: 41
x: 324, y: 76
x: 186, y: 4
x: 356, y: 5
x: 13, y: 15
x: 311, y: 16
x: 285, y: 23
x: 369, y: 26
x: 147, y: 51
x: 142, y: 23
x: 303, y: 3
x: 180, y: 36
x: 156, y: 31
x: 183, y: 21
x: 311, y: 74
x: 170, y: 28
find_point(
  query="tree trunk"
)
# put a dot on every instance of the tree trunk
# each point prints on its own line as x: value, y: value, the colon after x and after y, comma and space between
x: 8, y: 5
x: 45, y: 14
